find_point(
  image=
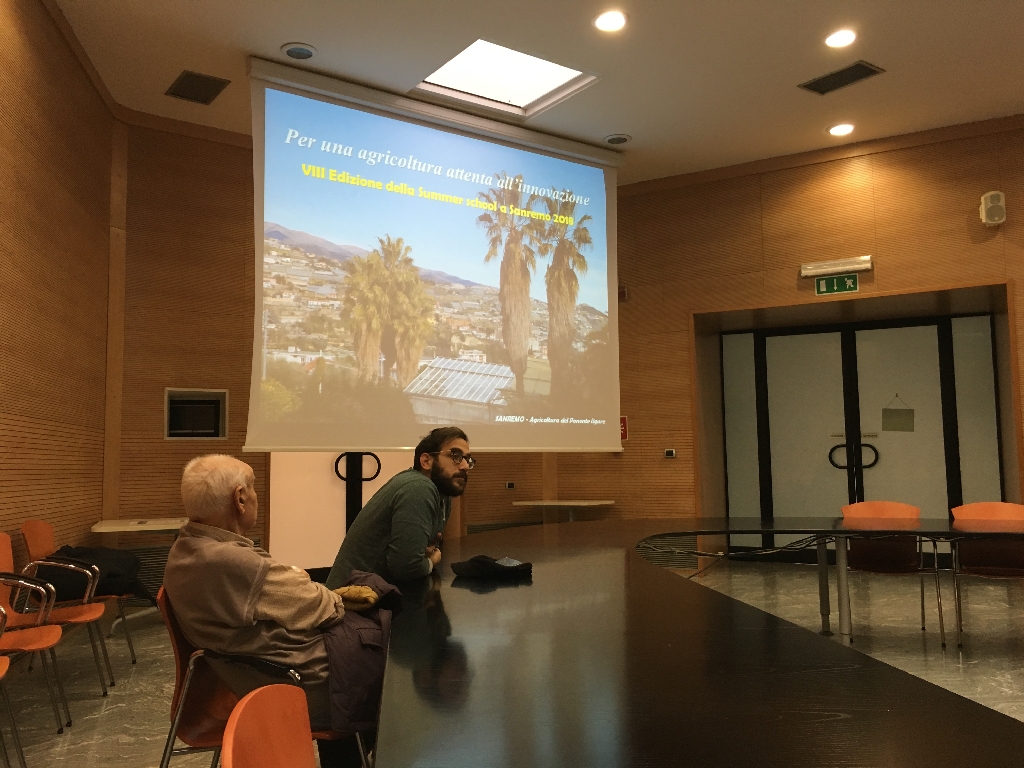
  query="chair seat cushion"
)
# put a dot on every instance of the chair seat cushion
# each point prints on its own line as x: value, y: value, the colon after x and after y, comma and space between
x: 70, y: 614
x: 31, y: 639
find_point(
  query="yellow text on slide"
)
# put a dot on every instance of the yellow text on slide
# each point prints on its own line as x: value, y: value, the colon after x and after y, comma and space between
x: 400, y: 189
x: 453, y: 199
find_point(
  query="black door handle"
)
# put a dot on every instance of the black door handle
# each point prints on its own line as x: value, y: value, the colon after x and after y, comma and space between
x: 874, y: 450
x: 831, y: 453
x: 835, y: 448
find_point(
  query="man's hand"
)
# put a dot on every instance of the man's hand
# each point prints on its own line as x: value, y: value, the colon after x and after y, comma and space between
x: 433, y: 555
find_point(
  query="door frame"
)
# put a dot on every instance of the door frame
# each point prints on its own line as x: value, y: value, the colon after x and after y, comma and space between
x: 707, y: 410
x: 943, y: 325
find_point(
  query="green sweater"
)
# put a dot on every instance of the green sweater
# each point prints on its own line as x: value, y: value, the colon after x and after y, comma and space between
x: 390, y: 534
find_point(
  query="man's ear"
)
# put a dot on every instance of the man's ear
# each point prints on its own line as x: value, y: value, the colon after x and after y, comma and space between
x: 426, y: 461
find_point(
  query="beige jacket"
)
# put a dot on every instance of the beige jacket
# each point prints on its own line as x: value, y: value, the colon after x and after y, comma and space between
x: 231, y: 596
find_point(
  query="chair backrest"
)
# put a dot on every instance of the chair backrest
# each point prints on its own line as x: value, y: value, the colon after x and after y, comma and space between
x: 209, y: 701
x: 887, y: 510
x: 6, y: 566
x: 38, y: 539
x: 269, y: 726
x: 989, y: 510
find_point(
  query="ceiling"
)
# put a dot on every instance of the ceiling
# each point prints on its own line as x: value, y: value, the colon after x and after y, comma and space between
x: 697, y: 84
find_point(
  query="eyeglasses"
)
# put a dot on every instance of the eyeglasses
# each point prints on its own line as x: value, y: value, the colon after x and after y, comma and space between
x: 457, y: 456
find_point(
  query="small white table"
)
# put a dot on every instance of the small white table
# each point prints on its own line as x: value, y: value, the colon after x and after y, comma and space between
x: 571, y: 504
x: 152, y: 525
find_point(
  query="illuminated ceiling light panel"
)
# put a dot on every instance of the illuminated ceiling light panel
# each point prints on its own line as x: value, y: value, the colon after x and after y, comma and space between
x: 610, y: 21
x: 840, y: 39
x: 499, y: 78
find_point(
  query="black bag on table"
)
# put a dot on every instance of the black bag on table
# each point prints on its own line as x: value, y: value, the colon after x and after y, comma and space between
x: 119, y: 573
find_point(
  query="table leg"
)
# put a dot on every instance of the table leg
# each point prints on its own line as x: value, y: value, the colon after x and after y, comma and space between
x: 823, y: 600
x: 843, y: 590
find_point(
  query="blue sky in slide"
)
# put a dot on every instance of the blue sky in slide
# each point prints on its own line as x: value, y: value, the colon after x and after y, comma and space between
x: 443, y: 236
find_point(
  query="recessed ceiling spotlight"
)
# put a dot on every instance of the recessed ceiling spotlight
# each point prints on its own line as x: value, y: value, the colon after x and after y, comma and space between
x: 617, y: 138
x: 610, y: 21
x: 300, y: 51
x: 843, y: 129
x: 840, y: 39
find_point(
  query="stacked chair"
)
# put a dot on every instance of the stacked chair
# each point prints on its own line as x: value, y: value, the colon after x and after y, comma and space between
x: 5, y: 664
x: 41, y: 545
x: 83, y: 612
x: 33, y: 636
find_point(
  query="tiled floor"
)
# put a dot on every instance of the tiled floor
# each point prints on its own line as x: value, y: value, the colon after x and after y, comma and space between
x: 128, y: 728
x: 886, y: 623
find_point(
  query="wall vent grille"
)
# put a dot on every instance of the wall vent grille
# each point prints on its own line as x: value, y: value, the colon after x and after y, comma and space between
x: 197, y: 88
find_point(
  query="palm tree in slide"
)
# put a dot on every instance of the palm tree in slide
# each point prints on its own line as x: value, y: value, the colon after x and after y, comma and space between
x: 410, y: 309
x: 365, y: 304
x: 565, y: 244
x: 513, y: 237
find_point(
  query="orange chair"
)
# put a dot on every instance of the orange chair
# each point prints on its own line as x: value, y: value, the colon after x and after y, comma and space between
x: 992, y: 557
x: 84, y: 613
x: 5, y: 664
x: 269, y: 726
x: 40, y: 542
x: 39, y: 638
x: 895, y: 554
x: 202, y: 701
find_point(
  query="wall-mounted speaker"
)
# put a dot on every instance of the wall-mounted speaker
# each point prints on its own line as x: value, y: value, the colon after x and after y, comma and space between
x: 993, y: 208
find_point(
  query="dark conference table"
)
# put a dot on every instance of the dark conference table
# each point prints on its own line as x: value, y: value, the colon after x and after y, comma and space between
x: 607, y: 660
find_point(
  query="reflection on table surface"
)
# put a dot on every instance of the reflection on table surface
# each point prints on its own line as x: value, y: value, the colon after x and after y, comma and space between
x: 606, y: 660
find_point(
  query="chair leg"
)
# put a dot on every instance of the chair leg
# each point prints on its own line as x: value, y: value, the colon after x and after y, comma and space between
x: 176, y: 721
x: 60, y: 685
x: 365, y: 757
x: 920, y: 569
x: 106, y: 656
x: 14, y: 725
x: 96, y: 658
x: 127, y: 632
x: 216, y: 758
x: 53, y: 699
x: 938, y: 591
x: 957, y: 599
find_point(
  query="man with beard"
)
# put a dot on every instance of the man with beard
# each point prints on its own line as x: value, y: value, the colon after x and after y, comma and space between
x: 397, y: 534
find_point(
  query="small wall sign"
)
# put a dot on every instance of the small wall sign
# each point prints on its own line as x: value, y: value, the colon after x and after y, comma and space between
x: 836, y: 284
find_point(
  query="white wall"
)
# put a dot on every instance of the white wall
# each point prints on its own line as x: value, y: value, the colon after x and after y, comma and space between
x: 307, y: 504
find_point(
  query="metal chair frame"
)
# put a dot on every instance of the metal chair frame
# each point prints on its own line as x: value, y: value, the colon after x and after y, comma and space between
x: 50, y: 558
x: 47, y: 596
x: 10, y: 709
x: 91, y: 573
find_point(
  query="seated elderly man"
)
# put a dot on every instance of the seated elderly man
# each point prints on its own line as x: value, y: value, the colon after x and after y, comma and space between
x: 232, y: 597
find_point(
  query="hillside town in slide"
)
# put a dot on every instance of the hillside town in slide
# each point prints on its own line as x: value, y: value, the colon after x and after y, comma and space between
x: 338, y: 317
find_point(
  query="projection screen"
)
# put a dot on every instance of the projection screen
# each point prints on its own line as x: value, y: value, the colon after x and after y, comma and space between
x: 418, y: 267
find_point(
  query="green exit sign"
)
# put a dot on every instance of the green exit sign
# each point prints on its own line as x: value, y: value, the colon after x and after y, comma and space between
x: 836, y: 284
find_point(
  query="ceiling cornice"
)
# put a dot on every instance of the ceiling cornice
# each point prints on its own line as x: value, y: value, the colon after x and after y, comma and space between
x: 131, y: 116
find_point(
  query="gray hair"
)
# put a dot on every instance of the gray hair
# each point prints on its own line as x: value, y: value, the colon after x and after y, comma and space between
x: 208, y: 482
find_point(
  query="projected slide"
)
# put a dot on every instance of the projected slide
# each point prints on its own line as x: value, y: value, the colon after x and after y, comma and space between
x: 413, y: 277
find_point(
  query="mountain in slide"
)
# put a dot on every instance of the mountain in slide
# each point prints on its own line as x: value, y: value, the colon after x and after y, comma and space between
x: 321, y: 247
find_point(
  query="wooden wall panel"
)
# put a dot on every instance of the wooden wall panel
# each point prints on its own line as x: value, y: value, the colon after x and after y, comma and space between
x: 54, y: 194
x: 817, y: 213
x: 189, y: 302
x: 737, y: 244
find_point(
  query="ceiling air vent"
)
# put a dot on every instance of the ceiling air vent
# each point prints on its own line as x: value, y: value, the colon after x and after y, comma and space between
x: 201, y: 89
x: 842, y: 78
